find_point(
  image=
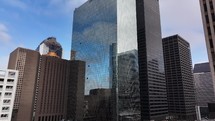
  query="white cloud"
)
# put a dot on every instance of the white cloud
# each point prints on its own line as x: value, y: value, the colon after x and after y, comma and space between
x: 183, y: 17
x: 4, y: 35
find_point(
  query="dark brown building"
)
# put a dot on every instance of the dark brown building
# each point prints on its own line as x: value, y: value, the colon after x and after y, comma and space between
x: 54, y: 89
x: 51, y: 98
x: 26, y: 61
x: 76, y: 85
x: 97, y: 105
x: 60, y: 92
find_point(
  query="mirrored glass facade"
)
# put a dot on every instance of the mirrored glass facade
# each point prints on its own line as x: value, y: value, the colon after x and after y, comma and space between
x: 128, y: 96
x: 128, y: 86
x: 94, y: 31
x: 120, y: 40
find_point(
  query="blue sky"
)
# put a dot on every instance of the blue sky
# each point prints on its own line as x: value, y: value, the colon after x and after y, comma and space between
x: 25, y: 23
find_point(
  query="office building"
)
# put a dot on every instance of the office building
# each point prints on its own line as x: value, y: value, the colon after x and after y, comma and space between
x: 203, y: 84
x: 60, y: 90
x: 129, y: 91
x: 51, y: 93
x: 26, y: 62
x: 208, y: 19
x: 50, y: 46
x: 179, y: 78
x: 98, y: 105
x: 75, y: 103
x: 49, y: 88
x: 8, y: 83
x: 102, y: 30
x: 203, y: 88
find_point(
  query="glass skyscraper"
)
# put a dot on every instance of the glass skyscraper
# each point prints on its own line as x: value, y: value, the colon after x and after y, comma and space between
x: 94, y: 30
x: 120, y: 40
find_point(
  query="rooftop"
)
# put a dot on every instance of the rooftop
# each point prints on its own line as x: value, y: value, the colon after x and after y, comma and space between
x: 201, y: 67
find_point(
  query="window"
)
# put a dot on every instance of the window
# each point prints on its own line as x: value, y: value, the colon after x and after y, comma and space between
x: 4, y: 115
x: 211, y: 5
x: 11, y: 74
x: 5, y: 108
x: 209, y: 31
x: 205, y: 7
x: 214, y: 28
x: 1, y: 80
x: 10, y: 80
x: 9, y: 87
x: 213, y: 16
x: 8, y: 94
x: 6, y: 101
x: 207, y: 19
x: 211, y: 43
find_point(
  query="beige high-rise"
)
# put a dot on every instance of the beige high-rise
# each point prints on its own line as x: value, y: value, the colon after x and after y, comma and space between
x: 208, y: 18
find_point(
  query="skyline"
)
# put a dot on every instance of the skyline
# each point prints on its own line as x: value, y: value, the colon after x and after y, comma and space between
x: 37, y: 20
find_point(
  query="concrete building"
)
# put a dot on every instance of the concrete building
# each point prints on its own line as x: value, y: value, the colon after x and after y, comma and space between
x: 102, y: 29
x: 179, y: 78
x: 8, y: 83
x: 203, y: 88
x: 203, y: 84
x: 208, y: 18
x: 26, y: 62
